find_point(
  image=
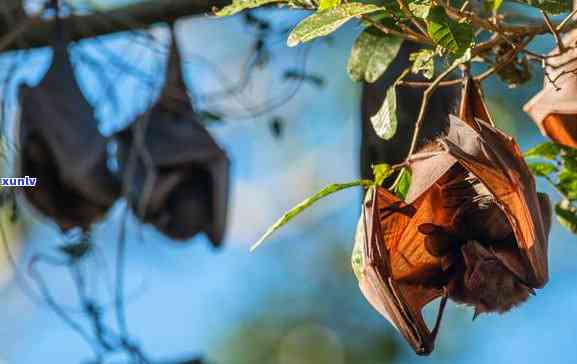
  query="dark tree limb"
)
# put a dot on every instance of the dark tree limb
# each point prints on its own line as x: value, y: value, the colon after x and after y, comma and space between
x: 38, y: 32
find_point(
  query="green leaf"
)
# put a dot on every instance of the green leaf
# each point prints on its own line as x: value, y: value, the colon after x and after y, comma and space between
x: 492, y: 6
x: 381, y: 172
x: 420, y: 8
x: 402, y: 184
x: 288, y: 216
x: 569, y: 158
x: 385, y: 120
x: 550, y: 6
x: 372, y: 54
x: 449, y: 34
x: 240, y: 5
x: 568, y: 184
x: 541, y: 168
x: 424, y: 62
x: 567, y: 215
x: 357, y: 256
x: 327, y: 21
x: 545, y: 150
x: 328, y: 4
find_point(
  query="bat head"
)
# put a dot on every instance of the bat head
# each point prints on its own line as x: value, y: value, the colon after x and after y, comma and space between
x: 486, y: 283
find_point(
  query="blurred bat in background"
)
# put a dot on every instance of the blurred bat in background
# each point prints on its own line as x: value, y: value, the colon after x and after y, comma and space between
x: 61, y: 146
x: 177, y: 177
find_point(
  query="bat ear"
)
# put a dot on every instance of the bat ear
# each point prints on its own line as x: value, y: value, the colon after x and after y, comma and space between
x: 179, y: 183
x: 554, y: 108
x: 61, y: 146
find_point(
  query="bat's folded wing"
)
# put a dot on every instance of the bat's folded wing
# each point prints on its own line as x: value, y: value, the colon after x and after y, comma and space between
x: 498, y: 163
x: 389, y: 250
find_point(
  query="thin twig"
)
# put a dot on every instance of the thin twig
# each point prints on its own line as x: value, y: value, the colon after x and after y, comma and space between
x: 564, y: 22
x: 411, y: 17
x: 500, y: 66
x: 411, y: 37
x: 428, y: 83
x: 424, y: 103
x: 553, y: 31
x: 56, y: 308
x: 120, y: 262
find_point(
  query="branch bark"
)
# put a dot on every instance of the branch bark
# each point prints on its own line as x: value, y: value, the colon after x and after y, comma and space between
x: 38, y: 32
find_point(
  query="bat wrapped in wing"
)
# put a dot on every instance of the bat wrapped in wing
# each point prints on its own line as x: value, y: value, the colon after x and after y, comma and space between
x: 554, y: 108
x: 177, y: 176
x: 472, y: 229
x: 61, y: 146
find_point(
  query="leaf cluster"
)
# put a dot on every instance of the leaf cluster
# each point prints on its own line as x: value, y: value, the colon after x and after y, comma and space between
x: 558, y: 165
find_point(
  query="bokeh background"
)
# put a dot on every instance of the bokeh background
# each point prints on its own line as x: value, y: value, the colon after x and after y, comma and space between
x: 294, y: 300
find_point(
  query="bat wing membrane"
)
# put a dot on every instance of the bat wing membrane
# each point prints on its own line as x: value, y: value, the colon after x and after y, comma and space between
x: 386, y: 220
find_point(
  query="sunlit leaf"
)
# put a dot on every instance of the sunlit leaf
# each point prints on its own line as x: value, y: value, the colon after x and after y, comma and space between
x: 492, y: 5
x: 541, y: 168
x: 385, y: 120
x: 569, y: 158
x: 357, y: 260
x: 328, y: 4
x: 545, y: 150
x: 240, y: 5
x: 420, y: 8
x: 567, y: 215
x: 372, y: 54
x: 288, y: 216
x: 402, y: 184
x: 381, y: 172
x: 448, y: 33
x: 568, y: 183
x: 423, y: 62
x: 327, y: 21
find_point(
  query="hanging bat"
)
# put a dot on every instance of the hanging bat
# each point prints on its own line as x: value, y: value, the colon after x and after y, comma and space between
x: 187, y: 169
x: 61, y: 146
x: 439, y: 243
x: 554, y: 109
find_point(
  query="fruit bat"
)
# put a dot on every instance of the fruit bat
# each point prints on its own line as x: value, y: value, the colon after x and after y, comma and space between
x: 61, y: 146
x: 186, y: 171
x: 554, y: 108
x: 472, y: 229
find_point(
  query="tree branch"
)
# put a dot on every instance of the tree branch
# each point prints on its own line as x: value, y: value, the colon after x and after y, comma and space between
x: 38, y: 32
